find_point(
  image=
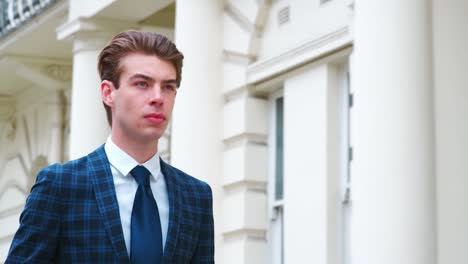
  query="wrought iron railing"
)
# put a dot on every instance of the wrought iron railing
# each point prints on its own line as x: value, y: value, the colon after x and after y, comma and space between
x: 14, y: 13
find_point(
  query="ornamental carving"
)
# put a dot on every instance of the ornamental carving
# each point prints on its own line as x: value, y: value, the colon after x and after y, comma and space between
x: 10, y: 129
x: 58, y: 72
x: 38, y: 164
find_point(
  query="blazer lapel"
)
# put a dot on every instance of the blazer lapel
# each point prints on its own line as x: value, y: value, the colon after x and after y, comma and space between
x: 175, y: 198
x: 106, y: 198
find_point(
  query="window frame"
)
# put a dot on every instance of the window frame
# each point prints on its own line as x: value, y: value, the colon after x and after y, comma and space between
x: 275, y: 233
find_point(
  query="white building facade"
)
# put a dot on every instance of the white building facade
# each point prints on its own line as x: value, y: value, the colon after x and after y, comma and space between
x: 331, y: 131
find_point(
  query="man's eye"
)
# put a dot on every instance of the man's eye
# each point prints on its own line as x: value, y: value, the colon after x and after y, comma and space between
x: 169, y: 87
x: 142, y: 84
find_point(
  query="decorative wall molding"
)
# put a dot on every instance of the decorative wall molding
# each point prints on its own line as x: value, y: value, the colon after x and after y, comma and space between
x: 91, y: 34
x: 307, y: 52
x: 99, y: 26
x: 90, y: 41
x: 260, y: 21
x: 29, y: 149
x: 58, y: 72
x: 236, y: 57
x: 244, y: 233
x: 32, y: 98
x: 237, y: 16
x: 11, y: 184
x: 245, y: 184
x: 253, y: 138
x: 244, y: 26
x: 7, y: 106
x: 253, y: 25
x: 244, y: 132
x: 51, y: 74
x: 10, y: 129
x: 38, y: 164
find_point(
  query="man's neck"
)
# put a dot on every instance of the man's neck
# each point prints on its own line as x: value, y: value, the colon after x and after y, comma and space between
x: 140, y: 151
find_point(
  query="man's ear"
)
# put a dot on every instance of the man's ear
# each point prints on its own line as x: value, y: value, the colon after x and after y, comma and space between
x: 107, y: 92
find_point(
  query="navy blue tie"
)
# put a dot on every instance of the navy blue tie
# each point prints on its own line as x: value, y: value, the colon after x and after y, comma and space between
x: 146, y: 236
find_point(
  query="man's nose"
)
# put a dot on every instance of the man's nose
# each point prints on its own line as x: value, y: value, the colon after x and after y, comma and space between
x: 156, y: 95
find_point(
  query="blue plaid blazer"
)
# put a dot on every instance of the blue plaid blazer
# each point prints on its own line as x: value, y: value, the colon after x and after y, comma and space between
x: 72, y: 216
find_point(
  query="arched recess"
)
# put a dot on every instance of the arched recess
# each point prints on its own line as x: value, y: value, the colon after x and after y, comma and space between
x: 243, y: 23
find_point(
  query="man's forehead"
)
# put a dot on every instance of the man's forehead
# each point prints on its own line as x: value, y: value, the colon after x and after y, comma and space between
x: 136, y: 63
x: 141, y: 56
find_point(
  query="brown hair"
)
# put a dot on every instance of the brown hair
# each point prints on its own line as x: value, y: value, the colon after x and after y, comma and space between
x: 135, y: 41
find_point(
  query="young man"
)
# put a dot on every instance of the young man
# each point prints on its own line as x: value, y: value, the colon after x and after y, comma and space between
x: 122, y: 203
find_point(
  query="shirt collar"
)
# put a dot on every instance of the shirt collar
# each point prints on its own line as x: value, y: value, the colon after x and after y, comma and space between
x: 124, y: 163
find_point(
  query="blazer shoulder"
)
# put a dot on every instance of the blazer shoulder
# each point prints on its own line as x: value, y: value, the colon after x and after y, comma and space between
x: 69, y: 167
x: 78, y: 167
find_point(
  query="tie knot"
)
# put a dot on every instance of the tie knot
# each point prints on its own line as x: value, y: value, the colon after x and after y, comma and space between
x: 141, y: 175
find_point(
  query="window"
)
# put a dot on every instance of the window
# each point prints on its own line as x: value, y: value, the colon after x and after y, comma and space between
x: 279, y: 149
x: 346, y: 103
x: 276, y: 179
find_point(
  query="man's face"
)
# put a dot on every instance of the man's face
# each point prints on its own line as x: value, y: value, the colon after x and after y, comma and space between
x: 142, y: 105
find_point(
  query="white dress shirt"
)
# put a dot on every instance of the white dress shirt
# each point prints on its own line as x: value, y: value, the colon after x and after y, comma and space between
x: 126, y: 186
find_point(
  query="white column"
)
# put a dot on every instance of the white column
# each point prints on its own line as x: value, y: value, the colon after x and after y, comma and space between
x: 450, y: 18
x: 196, y: 135
x: 88, y: 123
x: 393, y: 195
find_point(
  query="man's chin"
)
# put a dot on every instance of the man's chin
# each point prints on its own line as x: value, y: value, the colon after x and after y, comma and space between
x: 151, y: 137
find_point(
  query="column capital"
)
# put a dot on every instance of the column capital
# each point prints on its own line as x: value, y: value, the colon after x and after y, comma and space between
x: 91, y: 34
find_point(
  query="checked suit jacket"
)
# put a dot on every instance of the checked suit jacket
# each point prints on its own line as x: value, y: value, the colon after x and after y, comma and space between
x: 72, y: 216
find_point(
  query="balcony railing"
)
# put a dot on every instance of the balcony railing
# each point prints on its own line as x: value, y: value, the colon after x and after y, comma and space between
x: 14, y: 13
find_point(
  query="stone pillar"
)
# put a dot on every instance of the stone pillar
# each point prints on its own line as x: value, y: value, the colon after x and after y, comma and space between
x: 196, y: 144
x: 450, y: 18
x: 393, y: 195
x: 88, y: 123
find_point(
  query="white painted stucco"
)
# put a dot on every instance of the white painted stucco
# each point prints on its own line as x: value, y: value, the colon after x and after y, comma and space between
x: 408, y: 121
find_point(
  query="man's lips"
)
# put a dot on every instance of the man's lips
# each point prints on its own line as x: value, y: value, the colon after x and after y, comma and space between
x: 155, y: 118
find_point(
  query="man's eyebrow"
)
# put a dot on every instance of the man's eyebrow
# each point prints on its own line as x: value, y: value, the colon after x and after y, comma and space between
x: 142, y: 76
x: 169, y: 81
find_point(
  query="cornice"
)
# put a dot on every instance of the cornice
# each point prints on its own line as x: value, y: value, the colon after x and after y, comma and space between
x: 304, y: 53
x: 44, y: 72
x: 92, y: 28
